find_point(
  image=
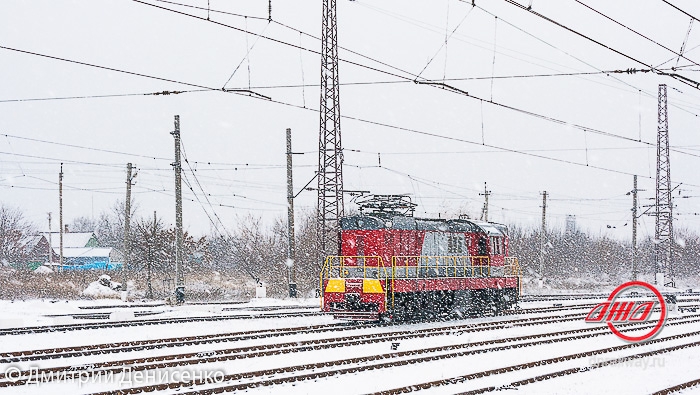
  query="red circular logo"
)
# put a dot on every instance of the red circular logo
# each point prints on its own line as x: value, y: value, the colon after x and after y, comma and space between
x: 655, y: 330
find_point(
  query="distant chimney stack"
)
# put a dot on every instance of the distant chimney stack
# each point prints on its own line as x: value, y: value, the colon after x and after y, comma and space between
x: 65, y: 229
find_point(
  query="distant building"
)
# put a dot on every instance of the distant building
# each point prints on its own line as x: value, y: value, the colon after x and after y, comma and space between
x: 72, y: 240
x: 35, y: 252
x: 82, y: 251
x: 88, y: 258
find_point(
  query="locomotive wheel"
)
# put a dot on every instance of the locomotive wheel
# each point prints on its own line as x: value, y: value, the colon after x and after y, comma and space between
x: 386, y: 318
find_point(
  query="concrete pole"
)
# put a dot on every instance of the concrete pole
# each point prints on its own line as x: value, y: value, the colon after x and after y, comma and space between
x: 635, y: 270
x: 485, y: 210
x: 50, y: 249
x: 543, y: 232
x: 127, y: 225
x: 151, y: 258
x: 290, y: 220
x: 179, y: 276
x: 60, y: 218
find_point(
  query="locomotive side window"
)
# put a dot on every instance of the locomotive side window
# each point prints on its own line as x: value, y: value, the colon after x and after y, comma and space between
x: 497, y: 245
x: 456, y: 244
x: 481, y: 246
x: 360, y: 245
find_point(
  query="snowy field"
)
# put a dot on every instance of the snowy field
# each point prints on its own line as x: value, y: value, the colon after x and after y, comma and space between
x: 244, y: 348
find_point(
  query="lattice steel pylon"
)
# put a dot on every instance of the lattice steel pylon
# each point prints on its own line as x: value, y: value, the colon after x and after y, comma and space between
x: 663, y: 250
x: 330, y: 150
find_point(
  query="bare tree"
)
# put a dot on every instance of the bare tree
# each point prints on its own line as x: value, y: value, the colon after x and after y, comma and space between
x: 14, y: 229
x: 110, y: 226
x: 83, y: 224
x: 257, y: 252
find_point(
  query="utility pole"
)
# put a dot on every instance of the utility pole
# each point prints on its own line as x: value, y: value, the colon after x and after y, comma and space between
x: 60, y: 218
x: 127, y: 222
x: 543, y: 232
x: 485, y: 210
x: 151, y: 258
x: 291, y: 279
x: 663, y: 249
x: 50, y: 248
x: 330, y: 152
x: 177, y: 165
x: 635, y: 270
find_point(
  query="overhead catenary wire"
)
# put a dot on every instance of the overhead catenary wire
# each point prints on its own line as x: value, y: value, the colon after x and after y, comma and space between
x: 357, y: 83
x: 675, y: 76
x: 278, y: 41
x: 482, y: 101
x: 685, y: 41
x: 678, y: 54
x: 246, y: 57
x: 206, y: 197
x: 545, y: 42
x: 210, y: 10
x: 679, y: 9
x: 551, y: 119
x: 81, y: 147
x: 161, y: 93
x: 442, y: 86
x: 444, y: 44
x: 414, y: 130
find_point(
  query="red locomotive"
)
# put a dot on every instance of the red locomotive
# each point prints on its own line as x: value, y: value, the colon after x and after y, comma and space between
x: 394, y: 266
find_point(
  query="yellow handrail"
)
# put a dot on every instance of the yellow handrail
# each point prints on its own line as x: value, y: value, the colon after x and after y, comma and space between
x: 414, y: 266
x: 440, y: 266
x: 335, y: 266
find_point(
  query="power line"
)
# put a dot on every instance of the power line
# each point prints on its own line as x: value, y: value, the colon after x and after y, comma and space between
x: 684, y: 12
x: 81, y: 147
x: 358, y: 83
x: 252, y: 94
x: 675, y: 76
x: 527, y: 33
x: 444, y: 44
x: 106, y: 68
x: 58, y: 160
x: 247, y: 166
x: 491, y: 152
x: 442, y: 86
x: 213, y: 10
x: 265, y: 37
x: 202, y: 87
x: 430, y: 134
x: 184, y: 152
x: 680, y: 55
x: 161, y: 93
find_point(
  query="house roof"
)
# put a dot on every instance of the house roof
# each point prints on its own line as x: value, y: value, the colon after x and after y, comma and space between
x: 70, y: 240
x: 31, y: 242
x: 86, y: 252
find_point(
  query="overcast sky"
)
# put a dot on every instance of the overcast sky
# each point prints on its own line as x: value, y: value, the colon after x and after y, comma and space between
x: 440, y: 146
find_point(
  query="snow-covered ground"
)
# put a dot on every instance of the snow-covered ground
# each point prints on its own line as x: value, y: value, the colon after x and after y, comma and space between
x: 636, y: 376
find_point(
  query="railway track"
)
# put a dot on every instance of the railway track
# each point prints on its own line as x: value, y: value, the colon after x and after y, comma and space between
x: 314, y: 371
x: 558, y: 297
x: 385, y: 360
x: 169, y: 361
x: 548, y: 376
x: 678, y: 388
x: 151, y: 344
x: 121, y: 324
